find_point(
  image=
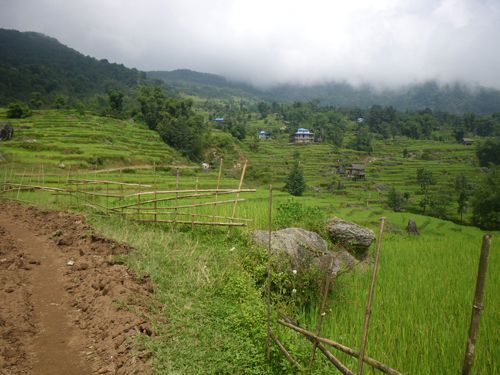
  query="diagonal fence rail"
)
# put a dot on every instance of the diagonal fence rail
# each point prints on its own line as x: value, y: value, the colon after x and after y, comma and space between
x: 146, y: 203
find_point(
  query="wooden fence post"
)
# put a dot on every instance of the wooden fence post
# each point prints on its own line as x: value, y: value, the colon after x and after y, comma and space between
x: 269, y: 274
x: 20, y: 183
x: 217, y: 187
x: 324, y: 299
x: 242, y: 177
x: 107, y: 198
x: 368, y: 312
x: 477, y: 305
x: 176, y: 192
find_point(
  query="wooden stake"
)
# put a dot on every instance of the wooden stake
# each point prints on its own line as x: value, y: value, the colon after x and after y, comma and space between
x: 107, y: 199
x: 156, y: 188
x: 287, y: 322
x: 138, y: 206
x: 284, y: 351
x: 68, y: 186
x: 19, y: 190
x: 239, y: 187
x: 368, y: 311
x: 269, y: 274
x: 196, y: 192
x: 43, y: 175
x: 177, y: 190
x: 339, y: 365
x: 477, y: 305
x: 324, y: 299
x: 218, y: 185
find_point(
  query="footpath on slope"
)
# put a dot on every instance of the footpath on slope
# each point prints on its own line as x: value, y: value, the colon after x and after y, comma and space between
x: 66, y: 307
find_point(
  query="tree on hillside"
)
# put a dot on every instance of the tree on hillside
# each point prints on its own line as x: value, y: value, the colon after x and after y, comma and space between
x: 395, y: 199
x: 18, y: 110
x: 439, y: 202
x: 486, y: 201
x: 463, y: 190
x: 488, y: 152
x: 295, y: 183
x: 115, y: 98
x: 363, y: 141
x: 151, y: 100
x: 36, y: 99
x: 60, y: 101
x: 425, y: 179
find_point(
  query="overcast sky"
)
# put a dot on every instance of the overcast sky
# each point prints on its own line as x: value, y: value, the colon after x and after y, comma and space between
x: 383, y: 42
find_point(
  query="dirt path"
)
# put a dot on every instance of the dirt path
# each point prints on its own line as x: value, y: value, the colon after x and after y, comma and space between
x: 63, y: 299
x: 55, y: 347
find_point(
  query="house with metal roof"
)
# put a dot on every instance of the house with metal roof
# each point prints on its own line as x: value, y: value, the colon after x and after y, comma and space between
x: 262, y: 134
x: 303, y: 135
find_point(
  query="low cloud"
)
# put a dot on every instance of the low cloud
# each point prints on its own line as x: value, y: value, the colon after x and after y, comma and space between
x: 386, y: 43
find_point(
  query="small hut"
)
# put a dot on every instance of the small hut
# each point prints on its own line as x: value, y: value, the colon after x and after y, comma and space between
x: 467, y: 141
x: 356, y: 172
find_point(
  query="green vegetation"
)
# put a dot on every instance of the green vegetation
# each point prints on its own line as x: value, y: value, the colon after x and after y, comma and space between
x: 488, y: 152
x: 486, y: 201
x: 210, y: 286
x: 210, y: 282
x: 65, y: 139
x: 176, y: 122
x: 294, y: 183
x: 18, y: 110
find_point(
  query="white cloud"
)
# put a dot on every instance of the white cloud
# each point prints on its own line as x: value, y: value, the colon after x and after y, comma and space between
x: 384, y: 42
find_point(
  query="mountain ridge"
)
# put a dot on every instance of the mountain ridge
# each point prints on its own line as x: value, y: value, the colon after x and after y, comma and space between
x: 33, y: 62
x: 454, y: 97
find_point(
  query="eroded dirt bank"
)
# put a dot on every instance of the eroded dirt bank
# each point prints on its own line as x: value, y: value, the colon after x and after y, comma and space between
x: 66, y: 307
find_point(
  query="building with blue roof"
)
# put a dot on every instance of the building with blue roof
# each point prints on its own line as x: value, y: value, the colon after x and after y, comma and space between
x: 303, y: 135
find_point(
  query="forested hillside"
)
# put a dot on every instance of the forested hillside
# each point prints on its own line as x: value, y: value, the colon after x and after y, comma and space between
x: 35, y: 65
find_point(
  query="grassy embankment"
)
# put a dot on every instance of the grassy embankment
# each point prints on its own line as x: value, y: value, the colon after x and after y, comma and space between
x: 212, y: 305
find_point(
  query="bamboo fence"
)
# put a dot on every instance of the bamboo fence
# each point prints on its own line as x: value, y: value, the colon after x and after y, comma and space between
x: 315, y: 337
x: 144, y: 202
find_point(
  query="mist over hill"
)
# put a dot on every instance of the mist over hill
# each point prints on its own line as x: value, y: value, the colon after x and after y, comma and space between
x: 453, y: 98
x: 33, y: 62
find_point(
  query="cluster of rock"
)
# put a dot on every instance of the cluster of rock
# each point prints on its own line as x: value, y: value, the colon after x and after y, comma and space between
x: 305, y: 248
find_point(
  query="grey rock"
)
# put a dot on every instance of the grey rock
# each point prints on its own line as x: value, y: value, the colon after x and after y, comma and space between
x: 412, y: 228
x: 6, y: 131
x: 304, y: 249
x: 350, y: 235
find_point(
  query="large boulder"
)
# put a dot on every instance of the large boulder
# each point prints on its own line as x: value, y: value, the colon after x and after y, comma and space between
x: 353, y: 237
x: 304, y: 249
x: 6, y: 131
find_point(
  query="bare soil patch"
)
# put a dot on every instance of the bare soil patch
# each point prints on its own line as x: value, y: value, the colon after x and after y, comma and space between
x: 66, y: 306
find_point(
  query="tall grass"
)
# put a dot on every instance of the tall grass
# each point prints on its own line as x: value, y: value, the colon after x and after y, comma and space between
x: 422, y: 307
x: 213, y: 314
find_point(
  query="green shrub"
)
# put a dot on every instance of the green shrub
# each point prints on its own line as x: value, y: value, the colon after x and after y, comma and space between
x: 18, y: 110
x: 294, y: 214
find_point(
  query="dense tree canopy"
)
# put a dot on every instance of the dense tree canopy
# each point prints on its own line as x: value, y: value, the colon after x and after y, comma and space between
x: 486, y: 201
x: 178, y: 125
x: 488, y: 152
